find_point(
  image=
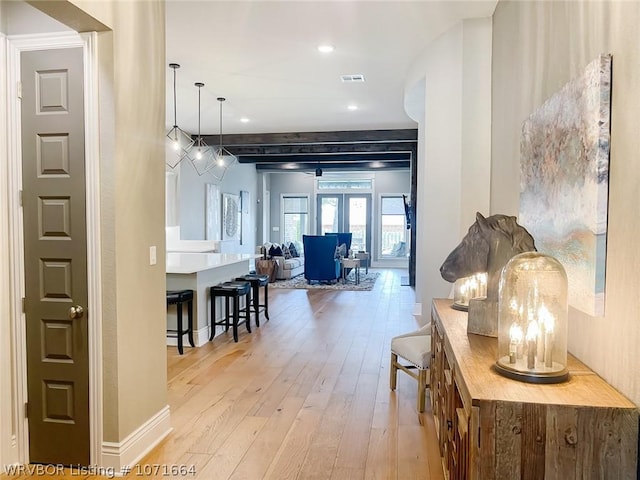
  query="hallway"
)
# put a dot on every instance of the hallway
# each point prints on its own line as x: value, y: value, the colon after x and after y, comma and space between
x: 304, y: 396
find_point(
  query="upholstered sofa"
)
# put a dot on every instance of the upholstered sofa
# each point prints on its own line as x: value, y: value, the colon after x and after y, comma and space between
x: 287, y: 267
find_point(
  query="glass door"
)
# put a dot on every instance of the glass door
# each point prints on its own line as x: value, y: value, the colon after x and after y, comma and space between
x: 346, y: 212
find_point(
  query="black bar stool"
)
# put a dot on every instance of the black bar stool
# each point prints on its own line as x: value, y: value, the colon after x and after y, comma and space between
x: 256, y: 282
x: 231, y: 290
x: 178, y: 298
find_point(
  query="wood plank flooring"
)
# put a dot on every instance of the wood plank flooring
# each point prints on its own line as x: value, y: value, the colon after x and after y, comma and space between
x: 305, y: 396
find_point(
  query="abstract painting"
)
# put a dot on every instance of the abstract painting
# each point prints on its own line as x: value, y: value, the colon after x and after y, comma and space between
x: 564, y: 186
x: 231, y: 216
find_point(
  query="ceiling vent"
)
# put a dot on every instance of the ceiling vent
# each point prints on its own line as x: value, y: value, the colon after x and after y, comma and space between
x: 355, y: 78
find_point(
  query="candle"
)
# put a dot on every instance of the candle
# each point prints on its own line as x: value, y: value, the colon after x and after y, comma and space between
x: 540, y: 338
x: 482, y: 279
x: 515, y: 342
x: 463, y: 292
x: 473, y: 287
x: 532, y: 335
x: 548, y: 321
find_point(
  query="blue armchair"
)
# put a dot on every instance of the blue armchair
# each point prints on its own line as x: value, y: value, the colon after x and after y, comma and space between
x: 343, y: 237
x: 320, y: 263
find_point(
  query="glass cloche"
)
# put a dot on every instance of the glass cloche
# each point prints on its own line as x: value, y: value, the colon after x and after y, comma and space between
x: 532, y: 319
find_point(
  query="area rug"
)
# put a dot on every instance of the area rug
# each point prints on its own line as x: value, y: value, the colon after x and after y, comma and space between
x: 367, y: 281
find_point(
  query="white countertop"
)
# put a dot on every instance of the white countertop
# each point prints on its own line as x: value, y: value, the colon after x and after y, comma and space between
x: 193, y: 246
x: 186, y: 263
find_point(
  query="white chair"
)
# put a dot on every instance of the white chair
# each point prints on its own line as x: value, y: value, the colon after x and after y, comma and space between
x: 415, y: 349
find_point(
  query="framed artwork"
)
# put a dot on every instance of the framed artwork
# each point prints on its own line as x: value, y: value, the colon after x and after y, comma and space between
x: 245, y: 202
x: 212, y: 212
x: 231, y: 216
x: 565, y: 181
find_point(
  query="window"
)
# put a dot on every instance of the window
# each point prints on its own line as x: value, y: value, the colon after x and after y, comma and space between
x: 345, y: 184
x: 295, y: 218
x: 393, y: 239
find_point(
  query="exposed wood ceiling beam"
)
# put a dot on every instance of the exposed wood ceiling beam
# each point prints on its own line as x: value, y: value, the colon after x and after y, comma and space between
x: 360, y: 149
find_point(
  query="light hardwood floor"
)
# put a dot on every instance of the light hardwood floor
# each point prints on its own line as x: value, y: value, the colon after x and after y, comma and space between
x: 305, y: 396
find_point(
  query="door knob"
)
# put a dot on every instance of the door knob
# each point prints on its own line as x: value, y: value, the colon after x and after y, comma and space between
x: 76, y: 311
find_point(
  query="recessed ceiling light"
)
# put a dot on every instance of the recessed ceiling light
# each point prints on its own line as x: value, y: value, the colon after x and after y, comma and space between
x: 326, y: 48
x: 352, y: 107
x: 244, y: 120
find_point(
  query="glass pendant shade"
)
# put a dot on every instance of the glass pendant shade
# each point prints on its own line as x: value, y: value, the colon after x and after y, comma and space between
x: 224, y: 159
x: 178, y: 141
x: 532, y: 319
x: 178, y: 145
x: 201, y: 155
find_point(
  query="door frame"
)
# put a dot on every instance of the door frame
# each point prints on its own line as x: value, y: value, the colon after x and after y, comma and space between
x: 344, y: 212
x: 15, y: 45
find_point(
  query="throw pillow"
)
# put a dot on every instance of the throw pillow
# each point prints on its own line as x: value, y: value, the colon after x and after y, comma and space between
x: 285, y: 252
x: 275, y: 251
x: 341, y: 250
x: 293, y: 250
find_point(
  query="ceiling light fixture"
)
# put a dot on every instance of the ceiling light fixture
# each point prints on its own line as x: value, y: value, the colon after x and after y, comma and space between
x: 352, y: 107
x: 224, y: 159
x: 200, y: 154
x: 244, y: 120
x: 326, y: 48
x: 179, y: 141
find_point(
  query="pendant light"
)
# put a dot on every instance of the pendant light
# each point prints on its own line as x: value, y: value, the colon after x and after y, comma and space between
x: 200, y: 154
x: 224, y: 159
x: 179, y: 142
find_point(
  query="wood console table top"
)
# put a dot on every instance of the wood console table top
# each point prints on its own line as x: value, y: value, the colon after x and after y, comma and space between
x: 475, y: 356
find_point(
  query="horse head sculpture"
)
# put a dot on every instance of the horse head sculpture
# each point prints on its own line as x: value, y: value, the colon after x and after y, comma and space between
x: 490, y: 243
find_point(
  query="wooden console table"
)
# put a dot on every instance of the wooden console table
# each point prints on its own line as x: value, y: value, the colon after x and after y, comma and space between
x: 491, y: 427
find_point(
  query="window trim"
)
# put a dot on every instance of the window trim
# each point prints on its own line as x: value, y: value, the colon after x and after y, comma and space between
x: 282, y: 212
x: 379, y: 253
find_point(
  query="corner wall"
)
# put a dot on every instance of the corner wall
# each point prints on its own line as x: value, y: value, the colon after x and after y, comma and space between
x: 454, y: 146
x: 537, y: 48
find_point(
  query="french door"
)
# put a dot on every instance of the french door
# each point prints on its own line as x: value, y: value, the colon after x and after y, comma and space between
x: 346, y: 212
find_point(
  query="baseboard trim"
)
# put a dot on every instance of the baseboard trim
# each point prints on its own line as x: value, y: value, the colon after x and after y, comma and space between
x: 417, y: 313
x: 118, y: 458
x: 200, y: 337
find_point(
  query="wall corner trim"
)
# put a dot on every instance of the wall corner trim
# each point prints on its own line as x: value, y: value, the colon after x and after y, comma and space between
x: 116, y: 455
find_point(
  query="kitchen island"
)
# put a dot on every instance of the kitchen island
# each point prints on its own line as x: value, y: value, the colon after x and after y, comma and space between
x: 198, y: 272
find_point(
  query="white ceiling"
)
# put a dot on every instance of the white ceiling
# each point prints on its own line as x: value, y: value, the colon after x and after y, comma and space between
x: 261, y: 56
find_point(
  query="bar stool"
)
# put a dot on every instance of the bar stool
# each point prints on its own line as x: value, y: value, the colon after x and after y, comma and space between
x: 231, y: 290
x: 256, y: 282
x: 178, y: 298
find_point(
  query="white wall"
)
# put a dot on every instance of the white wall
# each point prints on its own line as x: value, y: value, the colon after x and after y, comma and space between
x: 192, y: 200
x: 454, y: 146
x: 538, y: 47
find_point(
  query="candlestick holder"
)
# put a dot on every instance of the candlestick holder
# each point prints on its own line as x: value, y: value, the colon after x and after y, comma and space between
x: 532, y: 319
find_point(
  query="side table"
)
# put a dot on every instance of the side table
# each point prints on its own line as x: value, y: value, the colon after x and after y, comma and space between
x: 348, y: 263
x: 363, y: 257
